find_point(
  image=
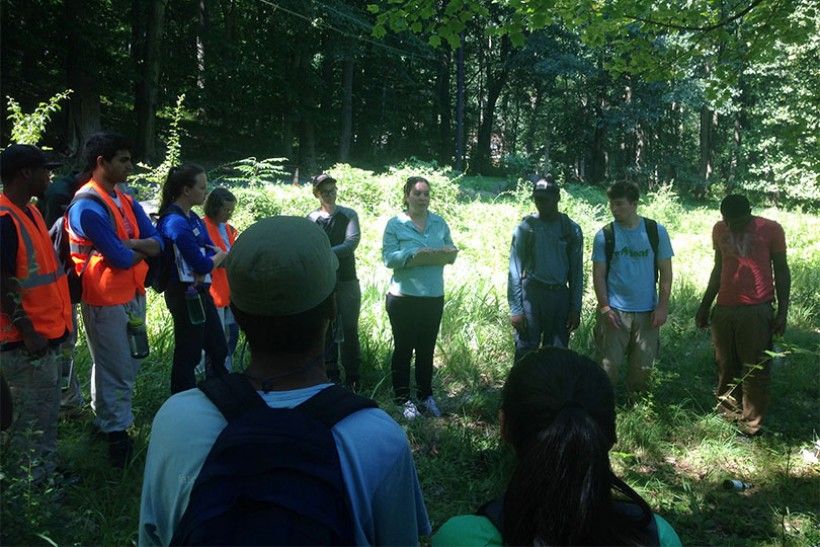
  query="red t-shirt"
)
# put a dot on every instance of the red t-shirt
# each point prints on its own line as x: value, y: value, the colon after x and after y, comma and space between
x: 747, y: 277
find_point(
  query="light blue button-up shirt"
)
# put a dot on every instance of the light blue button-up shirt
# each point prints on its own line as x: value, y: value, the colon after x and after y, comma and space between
x: 402, y: 240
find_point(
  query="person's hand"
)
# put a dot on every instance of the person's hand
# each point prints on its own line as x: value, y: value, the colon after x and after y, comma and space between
x: 702, y: 317
x: 573, y: 321
x: 35, y: 343
x: 779, y: 324
x: 611, y: 318
x: 519, y: 322
x: 219, y: 257
x: 659, y: 316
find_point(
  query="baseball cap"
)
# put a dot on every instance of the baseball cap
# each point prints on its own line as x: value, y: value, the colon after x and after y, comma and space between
x: 320, y: 179
x: 281, y: 265
x: 543, y: 186
x: 23, y: 156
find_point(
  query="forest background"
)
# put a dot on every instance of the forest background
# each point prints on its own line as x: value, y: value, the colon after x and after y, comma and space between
x: 691, y: 101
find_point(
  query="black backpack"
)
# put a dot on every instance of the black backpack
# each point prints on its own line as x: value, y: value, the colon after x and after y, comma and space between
x: 160, y: 266
x: 59, y: 239
x: 651, y: 228
x: 273, y: 476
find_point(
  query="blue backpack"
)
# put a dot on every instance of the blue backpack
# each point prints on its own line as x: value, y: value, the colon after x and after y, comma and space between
x: 273, y: 476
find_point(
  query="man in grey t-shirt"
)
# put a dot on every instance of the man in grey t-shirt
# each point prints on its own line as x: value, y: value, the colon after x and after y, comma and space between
x: 546, y: 277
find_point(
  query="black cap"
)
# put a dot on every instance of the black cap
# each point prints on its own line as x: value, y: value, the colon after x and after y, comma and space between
x: 23, y: 156
x: 544, y: 186
x: 321, y: 179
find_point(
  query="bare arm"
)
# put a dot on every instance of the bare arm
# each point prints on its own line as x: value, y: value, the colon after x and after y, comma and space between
x: 661, y: 312
x: 702, y: 315
x: 599, y: 284
x: 11, y: 305
x: 783, y: 285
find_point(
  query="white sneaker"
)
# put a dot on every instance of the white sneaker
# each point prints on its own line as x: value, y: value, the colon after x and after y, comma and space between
x: 431, y: 407
x: 409, y: 411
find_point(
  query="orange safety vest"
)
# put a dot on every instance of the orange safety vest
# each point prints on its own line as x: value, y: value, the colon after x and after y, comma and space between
x: 220, y: 290
x: 43, y: 285
x: 104, y: 285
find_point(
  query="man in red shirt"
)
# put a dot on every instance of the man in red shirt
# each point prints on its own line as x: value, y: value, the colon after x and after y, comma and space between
x: 750, y: 272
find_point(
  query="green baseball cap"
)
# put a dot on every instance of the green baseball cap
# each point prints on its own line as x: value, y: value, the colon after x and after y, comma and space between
x: 281, y: 265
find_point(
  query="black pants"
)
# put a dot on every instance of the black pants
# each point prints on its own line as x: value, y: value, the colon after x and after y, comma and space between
x: 415, y: 321
x: 190, y: 340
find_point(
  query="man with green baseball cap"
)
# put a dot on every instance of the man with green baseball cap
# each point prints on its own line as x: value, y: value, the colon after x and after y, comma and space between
x: 282, y: 275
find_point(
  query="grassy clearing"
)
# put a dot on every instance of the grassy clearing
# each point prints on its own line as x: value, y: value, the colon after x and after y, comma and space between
x: 672, y: 447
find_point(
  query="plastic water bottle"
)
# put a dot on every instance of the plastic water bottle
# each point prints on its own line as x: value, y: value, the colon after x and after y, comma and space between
x: 137, y: 337
x: 735, y: 484
x: 196, y: 310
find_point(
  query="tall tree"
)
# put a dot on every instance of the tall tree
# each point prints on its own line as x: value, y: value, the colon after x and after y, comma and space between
x: 148, y: 70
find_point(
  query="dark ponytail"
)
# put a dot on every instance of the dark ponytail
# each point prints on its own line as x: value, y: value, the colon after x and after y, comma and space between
x: 178, y: 179
x: 559, y: 415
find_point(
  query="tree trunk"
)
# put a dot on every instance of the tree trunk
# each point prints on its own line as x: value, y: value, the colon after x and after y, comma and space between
x: 443, y: 96
x: 145, y: 102
x: 480, y: 162
x: 708, y: 122
x: 459, y: 163
x: 347, y: 107
x: 84, y: 105
x: 202, y: 32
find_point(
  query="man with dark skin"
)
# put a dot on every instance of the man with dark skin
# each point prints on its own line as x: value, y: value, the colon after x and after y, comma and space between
x: 750, y: 271
x: 36, y: 310
x: 545, y: 281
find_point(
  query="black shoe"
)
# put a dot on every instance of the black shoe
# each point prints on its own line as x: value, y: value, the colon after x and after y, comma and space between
x: 120, y: 449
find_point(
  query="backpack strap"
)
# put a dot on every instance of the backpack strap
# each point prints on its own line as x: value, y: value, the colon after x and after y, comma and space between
x: 333, y: 404
x: 493, y: 510
x: 651, y: 228
x: 232, y: 394
x: 609, y: 244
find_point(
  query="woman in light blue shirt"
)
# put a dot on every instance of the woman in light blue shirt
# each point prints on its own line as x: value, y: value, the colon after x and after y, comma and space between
x: 416, y: 246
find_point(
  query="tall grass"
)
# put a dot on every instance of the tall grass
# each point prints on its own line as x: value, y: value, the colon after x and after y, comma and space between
x: 671, y: 445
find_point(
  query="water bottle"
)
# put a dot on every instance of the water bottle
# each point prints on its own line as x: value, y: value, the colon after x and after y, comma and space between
x: 735, y: 484
x: 196, y: 310
x: 137, y: 337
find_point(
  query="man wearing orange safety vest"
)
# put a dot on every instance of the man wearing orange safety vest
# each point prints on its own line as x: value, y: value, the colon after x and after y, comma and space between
x: 109, y: 245
x: 36, y: 310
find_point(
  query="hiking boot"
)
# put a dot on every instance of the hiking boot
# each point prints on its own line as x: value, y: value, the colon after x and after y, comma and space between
x: 409, y: 411
x: 120, y: 449
x: 431, y: 407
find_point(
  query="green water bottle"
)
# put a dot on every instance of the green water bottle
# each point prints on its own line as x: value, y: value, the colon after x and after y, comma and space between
x: 196, y: 309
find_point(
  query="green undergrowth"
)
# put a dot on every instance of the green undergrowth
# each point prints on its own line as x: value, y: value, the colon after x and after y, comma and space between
x: 671, y: 446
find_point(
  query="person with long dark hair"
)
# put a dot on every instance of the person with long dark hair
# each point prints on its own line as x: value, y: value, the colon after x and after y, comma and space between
x: 416, y: 246
x: 219, y: 206
x: 194, y: 257
x: 558, y: 413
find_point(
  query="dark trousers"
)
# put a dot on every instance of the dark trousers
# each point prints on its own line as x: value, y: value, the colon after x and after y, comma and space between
x: 741, y: 335
x: 546, y: 309
x: 344, y: 333
x: 190, y: 340
x: 415, y: 321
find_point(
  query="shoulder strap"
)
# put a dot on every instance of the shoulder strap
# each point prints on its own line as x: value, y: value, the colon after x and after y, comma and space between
x: 567, y: 235
x: 232, y: 394
x: 651, y: 228
x: 609, y: 244
x: 93, y: 196
x: 494, y: 511
x: 333, y: 404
